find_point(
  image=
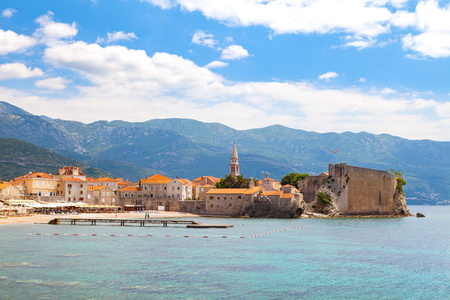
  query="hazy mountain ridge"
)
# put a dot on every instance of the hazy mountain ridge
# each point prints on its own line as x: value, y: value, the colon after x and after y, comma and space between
x: 189, y: 148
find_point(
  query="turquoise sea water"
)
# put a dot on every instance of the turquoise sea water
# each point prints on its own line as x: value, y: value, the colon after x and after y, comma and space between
x: 357, y: 258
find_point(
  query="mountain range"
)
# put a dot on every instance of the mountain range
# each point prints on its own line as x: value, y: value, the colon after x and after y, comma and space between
x: 189, y: 149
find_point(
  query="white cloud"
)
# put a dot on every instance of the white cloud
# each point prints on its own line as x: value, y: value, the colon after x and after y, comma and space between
x: 433, y: 23
x: 13, y: 42
x: 234, y: 52
x: 57, y: 83
x: 362, y: 21
x: 164, y: 4
x: 18, y: 71
x: 360, y: 17
x: 327, y: 76
x: 51, y: 31
x: 362, y: 79
x: 205, y: 39
x: 216, y: 64
x: 387, y: 91
x: 8, y: 13
x: 117, y: 36
x: 361, y: 43
x: 117, y: 65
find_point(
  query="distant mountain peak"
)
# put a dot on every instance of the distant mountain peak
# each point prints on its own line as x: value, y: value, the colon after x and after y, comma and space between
x: 6, y: 108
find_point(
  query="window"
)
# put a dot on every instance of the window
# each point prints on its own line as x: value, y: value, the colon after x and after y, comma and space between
x: 126, y: 195
x: 81, y: 198
x: 211, y: 197
x: 229, y: 205
x: 70, y: 192
x: 68, y: 199
x: 224, y: 198
x: 239, y: 197
x: 103, y: 199
x: 42, y: 183
x: 37, y: 183
x: 81, y: 185
x: 114, y: 200
x: 212, y: 205
x: 89, y: 196
x: 107, y: 194
x: 103, y: 194
x: 81, y: 192
x: 173, y: 188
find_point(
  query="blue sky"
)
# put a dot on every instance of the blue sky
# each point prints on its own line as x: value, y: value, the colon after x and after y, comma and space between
x: 381, y: 66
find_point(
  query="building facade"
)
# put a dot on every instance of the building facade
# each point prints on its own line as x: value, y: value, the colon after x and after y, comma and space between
x: 37, y: 183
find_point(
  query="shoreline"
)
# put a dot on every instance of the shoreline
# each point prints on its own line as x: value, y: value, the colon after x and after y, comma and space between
x: 44, y: 219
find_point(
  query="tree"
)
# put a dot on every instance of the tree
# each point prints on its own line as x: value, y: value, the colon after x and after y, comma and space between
x: 231, y: 181
x: 293, y: 178
x: 287, y: 178
x: 399, y: 176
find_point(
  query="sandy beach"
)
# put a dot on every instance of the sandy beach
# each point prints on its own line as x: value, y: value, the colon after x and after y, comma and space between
x: 40, y: 218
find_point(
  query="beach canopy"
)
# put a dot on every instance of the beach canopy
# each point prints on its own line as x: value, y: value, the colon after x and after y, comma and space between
x: 24, y: 202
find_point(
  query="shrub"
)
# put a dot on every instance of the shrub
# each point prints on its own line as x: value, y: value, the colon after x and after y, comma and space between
x: 324, y: 198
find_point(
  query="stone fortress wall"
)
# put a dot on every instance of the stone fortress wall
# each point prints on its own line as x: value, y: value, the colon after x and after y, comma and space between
x: 362, y: 191
x: 355, y: 190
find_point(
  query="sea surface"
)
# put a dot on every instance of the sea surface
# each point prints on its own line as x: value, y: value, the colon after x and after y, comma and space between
x: 354, y: 258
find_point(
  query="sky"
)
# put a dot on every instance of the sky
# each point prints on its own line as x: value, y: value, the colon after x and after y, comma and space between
x: 380, y: 66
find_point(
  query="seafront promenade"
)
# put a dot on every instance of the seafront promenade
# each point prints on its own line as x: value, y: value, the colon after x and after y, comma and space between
x: 44, y: 219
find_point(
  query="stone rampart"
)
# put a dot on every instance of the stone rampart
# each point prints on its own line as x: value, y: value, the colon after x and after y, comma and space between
x: 362, y: 191
x: 310, y: 185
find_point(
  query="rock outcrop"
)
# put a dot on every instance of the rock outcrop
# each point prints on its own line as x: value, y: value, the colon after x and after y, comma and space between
x: 400, y: 207
x: 420, y: 215
x: 264, y: 207
x: 324, y: 202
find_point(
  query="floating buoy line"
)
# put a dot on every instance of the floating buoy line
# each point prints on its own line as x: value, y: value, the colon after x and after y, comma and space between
x: 167, y: 235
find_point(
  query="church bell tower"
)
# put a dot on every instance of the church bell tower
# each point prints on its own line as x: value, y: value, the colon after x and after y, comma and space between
x: 234, y: 165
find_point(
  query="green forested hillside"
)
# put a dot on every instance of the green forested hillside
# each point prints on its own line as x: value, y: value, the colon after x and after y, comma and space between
x: 189, y: 149
x: 18, y: 158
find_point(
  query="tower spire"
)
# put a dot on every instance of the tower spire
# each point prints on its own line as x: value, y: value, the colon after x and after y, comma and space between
x: 234, y: 164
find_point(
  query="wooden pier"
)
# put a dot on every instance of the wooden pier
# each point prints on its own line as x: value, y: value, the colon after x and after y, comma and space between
x: 123, y: 222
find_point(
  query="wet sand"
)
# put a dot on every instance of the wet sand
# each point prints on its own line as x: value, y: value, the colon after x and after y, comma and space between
x: 39, y: 218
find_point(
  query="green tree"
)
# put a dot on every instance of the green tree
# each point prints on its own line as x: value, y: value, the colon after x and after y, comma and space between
x: 287, y: 178
x: 231, y: 181
x: 399, y: 176
x: 293, y: 178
